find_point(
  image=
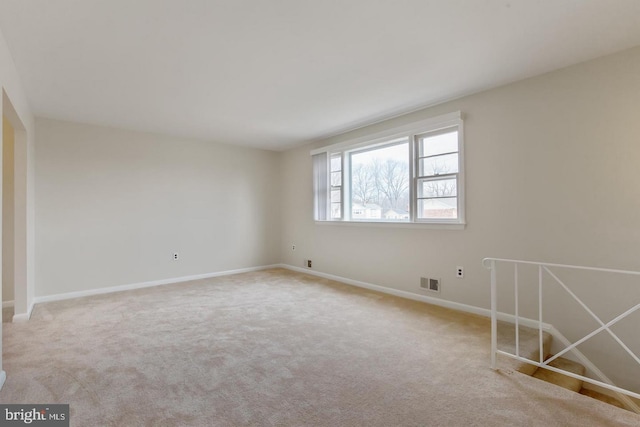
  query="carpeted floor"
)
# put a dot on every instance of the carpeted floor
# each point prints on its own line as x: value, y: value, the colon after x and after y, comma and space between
x: 275, y: 348
x: 7, y: 314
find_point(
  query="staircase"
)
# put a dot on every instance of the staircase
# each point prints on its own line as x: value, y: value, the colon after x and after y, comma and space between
x: 530, y: 349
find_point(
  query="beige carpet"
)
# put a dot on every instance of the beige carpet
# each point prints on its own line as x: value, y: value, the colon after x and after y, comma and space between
x: 7, y: 314
x: 275, y: 348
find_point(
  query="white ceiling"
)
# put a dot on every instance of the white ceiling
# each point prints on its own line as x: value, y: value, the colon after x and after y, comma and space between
x: 274, y: 73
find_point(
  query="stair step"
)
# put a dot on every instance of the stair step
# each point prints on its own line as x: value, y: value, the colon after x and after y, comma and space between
x: 561, y: 379
x: 602, y: 397
x: 529, y: 346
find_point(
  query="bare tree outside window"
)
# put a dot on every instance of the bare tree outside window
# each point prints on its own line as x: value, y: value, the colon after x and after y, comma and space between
x: 363, y: 183
x: 380, y: 181
x: 393, y: 183
x: 440, y: 188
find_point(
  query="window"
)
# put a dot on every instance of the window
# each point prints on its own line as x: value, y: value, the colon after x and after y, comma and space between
x: 336, y: 186
x: 437, y: 178
x: 412, y: 174
x: 379, y: 180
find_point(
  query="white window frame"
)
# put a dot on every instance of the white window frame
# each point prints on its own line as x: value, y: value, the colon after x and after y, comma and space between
x: 379, y: 139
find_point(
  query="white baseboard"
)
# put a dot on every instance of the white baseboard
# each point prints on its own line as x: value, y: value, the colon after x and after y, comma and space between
x: 485, y: 312
x: 111, y: 289
x: 7, y: 304
x: 23, y: 317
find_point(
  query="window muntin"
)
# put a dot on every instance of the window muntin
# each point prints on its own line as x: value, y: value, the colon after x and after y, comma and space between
x: 413, y: 175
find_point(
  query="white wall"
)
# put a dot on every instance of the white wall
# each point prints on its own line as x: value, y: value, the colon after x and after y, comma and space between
x: 114, y: 205
x: 551, y: 175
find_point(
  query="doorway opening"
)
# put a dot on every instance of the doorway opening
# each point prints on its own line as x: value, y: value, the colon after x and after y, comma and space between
x: 8, y: 213
x: 16, y: 293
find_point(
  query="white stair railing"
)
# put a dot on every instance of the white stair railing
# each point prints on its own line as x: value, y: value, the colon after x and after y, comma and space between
x: 604, y: 382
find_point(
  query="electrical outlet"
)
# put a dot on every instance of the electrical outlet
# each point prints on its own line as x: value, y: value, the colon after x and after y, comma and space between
x: 308, y: 263
x: 175, y: 256
x: 459, y: 272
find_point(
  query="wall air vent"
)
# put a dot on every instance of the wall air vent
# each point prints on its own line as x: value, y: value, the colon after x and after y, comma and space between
x: 430, y: 284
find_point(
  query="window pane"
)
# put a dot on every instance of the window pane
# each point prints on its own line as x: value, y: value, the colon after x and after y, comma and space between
x: 380, y: 183
x: 336, y: 163
x: 438, y: 208
x: 336, y: 179
x: 437, y: 188
x: 335, y: 211
x: 431, y: 145
x: 439, y: 165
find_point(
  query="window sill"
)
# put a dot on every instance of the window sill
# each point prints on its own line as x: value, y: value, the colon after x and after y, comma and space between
x: 422, y: 225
